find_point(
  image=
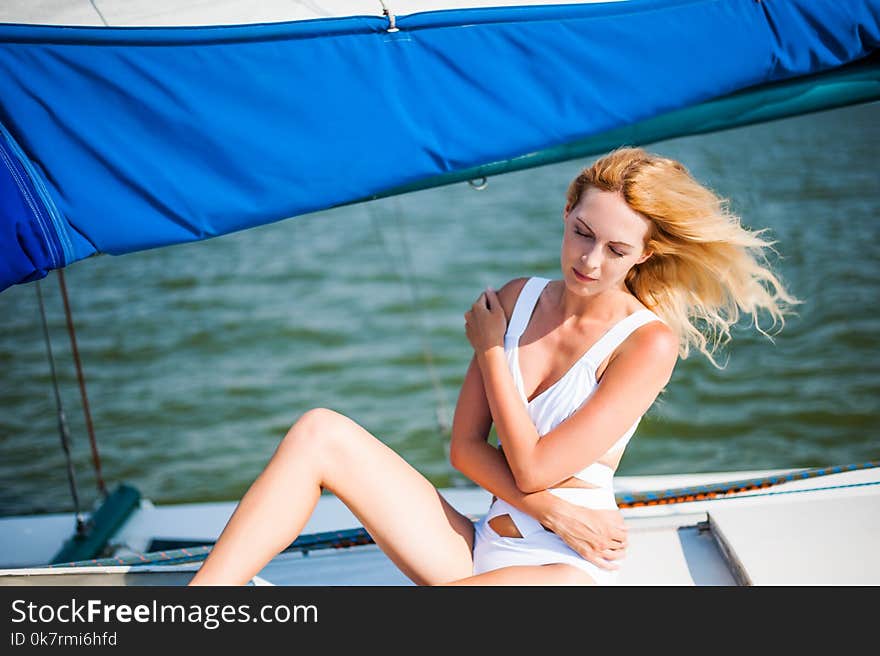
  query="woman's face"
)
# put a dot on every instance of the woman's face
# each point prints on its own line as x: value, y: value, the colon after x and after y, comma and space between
x: 604, y: 238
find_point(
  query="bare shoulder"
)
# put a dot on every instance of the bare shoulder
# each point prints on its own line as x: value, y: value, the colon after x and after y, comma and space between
x: 654, y: 342
x: 508, y: 294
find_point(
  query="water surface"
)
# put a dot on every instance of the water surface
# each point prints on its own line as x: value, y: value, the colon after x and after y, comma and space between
x: 198, y: 357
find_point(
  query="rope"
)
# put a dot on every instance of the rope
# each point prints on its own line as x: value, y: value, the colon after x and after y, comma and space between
x: 702, y: 492
x: 100, y: 15
x: 359, y: 536
x: 408, y: 279
x: 303, y: 544
x: 62, y: 420
x: 96, y: 458
x: 392, y: 27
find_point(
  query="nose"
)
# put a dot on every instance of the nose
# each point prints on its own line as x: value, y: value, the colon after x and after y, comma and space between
x: 592, y: 259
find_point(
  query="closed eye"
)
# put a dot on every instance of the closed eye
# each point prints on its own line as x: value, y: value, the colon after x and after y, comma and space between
x: 589, y: 236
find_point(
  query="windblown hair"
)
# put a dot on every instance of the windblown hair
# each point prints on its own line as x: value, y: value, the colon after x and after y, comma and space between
x: 705, y: 268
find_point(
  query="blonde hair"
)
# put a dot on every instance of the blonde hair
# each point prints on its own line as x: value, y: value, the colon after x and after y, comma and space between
x: 705, y: 268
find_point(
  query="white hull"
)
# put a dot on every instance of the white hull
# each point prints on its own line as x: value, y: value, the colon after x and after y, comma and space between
x: 816, y: 531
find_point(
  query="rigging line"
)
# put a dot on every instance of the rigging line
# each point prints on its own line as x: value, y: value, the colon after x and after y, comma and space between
x: 713, y: 490
x: 441, y: 410
x: 100, y: 15
x: 96, y: 458
x: 392, y: 20
x: 62, y: 420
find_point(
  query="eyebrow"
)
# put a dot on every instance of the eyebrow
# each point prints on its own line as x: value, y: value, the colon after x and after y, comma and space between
x: 621, y: 243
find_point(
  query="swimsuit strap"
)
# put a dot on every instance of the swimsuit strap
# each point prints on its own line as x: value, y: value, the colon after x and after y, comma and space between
x: 525, y: 305
x: 618, y: 333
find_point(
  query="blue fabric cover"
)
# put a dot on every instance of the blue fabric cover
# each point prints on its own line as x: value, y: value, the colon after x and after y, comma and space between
x: 135, y: 138
x: 32, y: 248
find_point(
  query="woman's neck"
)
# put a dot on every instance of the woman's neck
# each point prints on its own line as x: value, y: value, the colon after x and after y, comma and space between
x: 604, y: 306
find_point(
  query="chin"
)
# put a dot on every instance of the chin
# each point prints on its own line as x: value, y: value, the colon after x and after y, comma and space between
x: 576, y: 286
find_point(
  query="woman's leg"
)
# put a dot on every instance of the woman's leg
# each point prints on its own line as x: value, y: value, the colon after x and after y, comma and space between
x: 555, y: 574
x: 420, y: 532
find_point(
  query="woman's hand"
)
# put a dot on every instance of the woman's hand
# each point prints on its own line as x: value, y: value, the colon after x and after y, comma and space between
x: 600, y: 536
x: 485, y: 323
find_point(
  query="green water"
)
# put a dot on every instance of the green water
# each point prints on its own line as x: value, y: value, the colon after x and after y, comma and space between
x: 198, y: 357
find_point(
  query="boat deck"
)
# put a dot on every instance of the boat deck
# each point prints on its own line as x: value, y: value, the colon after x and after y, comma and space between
x: 787, y: 534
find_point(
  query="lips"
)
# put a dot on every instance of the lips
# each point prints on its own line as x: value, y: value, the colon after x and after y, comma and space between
x: 580, y: 276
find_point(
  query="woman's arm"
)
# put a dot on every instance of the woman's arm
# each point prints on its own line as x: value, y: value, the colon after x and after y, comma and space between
x: 600, y: 536
x: 630, y: 384
x: 472, y: 455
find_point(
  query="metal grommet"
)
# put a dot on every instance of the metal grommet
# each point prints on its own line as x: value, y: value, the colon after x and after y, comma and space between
x: 479, y: 186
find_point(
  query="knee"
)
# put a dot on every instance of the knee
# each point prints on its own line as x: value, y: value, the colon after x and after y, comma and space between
x: 313, y: 429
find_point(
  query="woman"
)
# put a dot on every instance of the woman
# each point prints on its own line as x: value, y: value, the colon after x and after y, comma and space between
x: 648, y: 254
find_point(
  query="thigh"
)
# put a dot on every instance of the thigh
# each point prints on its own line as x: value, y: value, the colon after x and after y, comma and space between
x: 554, y: 574
x: 428, y: 539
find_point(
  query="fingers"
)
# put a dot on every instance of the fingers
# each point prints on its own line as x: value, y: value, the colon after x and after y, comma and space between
x: 613, y: 554
x: 487, y: 300
x: 491, y: 298
x: 478, y: 305
x: 606, y: 551
x: 614, y: 539
x: 603, y: 554
x: 607, y: 558
x: 617, y: 532
x: 618, y: 540
x: 600, y: 561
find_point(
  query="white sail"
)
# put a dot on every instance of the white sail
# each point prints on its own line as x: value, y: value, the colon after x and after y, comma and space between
x: 168, y: 13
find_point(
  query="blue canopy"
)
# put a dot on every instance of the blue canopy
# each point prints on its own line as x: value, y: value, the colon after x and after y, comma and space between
x: 115, y: 140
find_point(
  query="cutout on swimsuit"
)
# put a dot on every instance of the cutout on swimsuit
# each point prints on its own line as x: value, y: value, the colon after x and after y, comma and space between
x: 504, y: 526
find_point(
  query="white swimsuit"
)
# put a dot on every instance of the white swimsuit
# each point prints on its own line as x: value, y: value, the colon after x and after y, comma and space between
x: 538, y: 546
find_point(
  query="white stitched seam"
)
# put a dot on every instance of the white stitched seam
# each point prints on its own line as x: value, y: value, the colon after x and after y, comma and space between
x: 30, y: 201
